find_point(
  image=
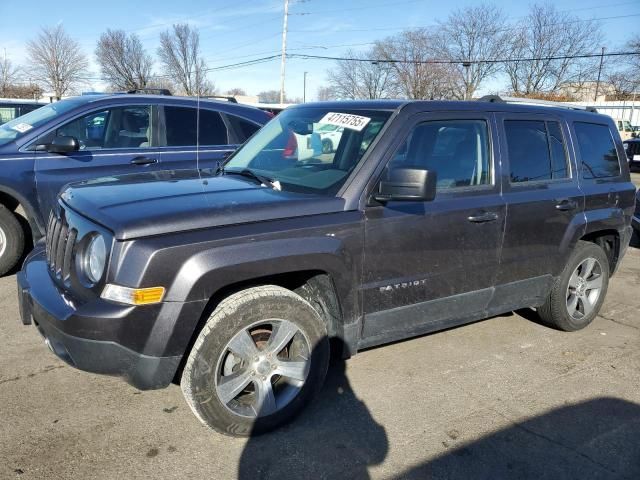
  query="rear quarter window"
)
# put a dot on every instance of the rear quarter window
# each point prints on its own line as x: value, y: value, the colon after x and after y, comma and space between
x: 597, y: 150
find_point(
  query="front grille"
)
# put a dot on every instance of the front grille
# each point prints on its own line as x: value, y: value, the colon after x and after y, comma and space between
x: 59, y: 246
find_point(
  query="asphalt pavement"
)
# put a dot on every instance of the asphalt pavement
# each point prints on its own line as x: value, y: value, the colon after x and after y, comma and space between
x: 502, y: 398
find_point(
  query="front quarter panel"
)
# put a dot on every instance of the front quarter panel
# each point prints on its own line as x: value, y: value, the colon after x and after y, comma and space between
x: 194, y: 266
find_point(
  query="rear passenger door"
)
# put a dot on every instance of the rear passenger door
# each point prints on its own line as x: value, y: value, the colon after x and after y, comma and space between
x: 544, y: 202
x: 429, y: 264
x: 183, y: 149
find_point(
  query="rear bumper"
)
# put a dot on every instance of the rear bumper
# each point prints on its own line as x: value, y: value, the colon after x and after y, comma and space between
x: 73, y: 332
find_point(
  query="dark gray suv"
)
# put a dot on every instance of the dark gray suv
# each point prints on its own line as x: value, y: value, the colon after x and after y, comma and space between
x: 425, y: 215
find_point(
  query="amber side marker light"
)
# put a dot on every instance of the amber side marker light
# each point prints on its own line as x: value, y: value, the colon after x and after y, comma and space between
x: 133, y: 296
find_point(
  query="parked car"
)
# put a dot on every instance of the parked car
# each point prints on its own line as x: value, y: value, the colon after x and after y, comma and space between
x: 13, y: 108
x: 97, y: 135
x: 428, y: 216
x: 632, y: 149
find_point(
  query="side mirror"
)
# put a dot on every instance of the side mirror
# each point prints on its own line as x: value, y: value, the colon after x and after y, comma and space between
x: 63, y: 145
x: 407, y: 184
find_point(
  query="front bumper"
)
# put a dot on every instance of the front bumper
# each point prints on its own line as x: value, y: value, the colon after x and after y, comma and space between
x: 102, y: 337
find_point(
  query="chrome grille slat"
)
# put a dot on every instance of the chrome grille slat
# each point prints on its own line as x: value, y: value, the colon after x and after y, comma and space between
x: 59, y: 243
x: 68, y: 252
x: 62, y: 240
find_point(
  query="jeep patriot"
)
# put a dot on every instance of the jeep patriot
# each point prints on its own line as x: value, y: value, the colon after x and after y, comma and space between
x: 231, y: 281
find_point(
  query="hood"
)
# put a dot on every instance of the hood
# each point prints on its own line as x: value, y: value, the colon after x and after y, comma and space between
x: 155, y: 203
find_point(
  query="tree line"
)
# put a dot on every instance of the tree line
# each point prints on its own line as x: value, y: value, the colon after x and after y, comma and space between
x: 56, y: 62
x: 449, y: 61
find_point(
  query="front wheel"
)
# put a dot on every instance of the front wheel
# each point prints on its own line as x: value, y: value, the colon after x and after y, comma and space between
x: 579, y: 291
x: 11, y: 240
x: 261, y: 357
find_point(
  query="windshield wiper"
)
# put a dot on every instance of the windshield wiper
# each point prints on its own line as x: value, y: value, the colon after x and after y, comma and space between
x: 251, y: 174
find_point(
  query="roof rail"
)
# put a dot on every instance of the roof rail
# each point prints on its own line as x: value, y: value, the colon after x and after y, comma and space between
x: 152, y: 91
x: 229, y: 99
x: 534, y: 101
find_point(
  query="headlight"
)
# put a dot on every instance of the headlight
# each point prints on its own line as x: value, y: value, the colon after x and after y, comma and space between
x: 95, y: 258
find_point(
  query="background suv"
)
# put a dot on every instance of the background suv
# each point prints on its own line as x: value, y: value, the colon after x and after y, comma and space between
x: 92, y: 136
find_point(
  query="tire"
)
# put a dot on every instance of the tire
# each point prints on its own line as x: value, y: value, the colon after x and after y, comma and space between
x: 570, y: 287
x: 12, y: 240
x: 224, y: 388
x: 327, y: 146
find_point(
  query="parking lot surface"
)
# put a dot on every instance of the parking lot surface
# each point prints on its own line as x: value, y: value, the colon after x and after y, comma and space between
x: 502, y: 398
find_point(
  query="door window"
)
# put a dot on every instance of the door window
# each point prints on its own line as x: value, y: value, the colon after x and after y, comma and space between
x: 119, y: 127
x: 597, y: 150
x: 457, y: 150
x: 244, y: 129
x: 536, y: 150
x: 182, y: 126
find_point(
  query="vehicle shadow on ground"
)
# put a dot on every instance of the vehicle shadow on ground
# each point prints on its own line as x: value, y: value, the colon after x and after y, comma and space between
x: 335, y: 437
x: 599, y: 438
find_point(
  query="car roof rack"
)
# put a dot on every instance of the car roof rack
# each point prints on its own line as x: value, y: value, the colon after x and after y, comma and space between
x: 534, y: 101
x: 152, y: 91
x: 220, y: 97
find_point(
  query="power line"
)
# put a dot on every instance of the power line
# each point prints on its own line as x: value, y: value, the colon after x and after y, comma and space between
x: 305, y: 56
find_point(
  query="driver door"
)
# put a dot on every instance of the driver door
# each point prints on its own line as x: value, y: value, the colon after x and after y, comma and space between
x: 113, y: 141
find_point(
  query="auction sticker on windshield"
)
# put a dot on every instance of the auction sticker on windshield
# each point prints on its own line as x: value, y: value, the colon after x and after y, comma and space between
x: 22, y: 127
x: 346, y: 120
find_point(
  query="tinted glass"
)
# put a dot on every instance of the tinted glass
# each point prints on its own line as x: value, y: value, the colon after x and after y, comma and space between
x: 213, y: 131
x: 181, y: 126
x: 558, y: 153
x: 122, y: 127
x: 457, y: 150
x: 244, y: 129
x: 597, y: 151
x: 289, y: 149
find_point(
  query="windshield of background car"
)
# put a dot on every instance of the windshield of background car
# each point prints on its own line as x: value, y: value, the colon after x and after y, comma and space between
x: 310, y: 150
x: 20, y: 126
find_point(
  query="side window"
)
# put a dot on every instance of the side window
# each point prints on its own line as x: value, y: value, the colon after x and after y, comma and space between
x: 244, y: 129
x: 120, y: 127
x: 8, y: 113
x: 181, y: 126
x: 213, y: 130
x: 536, y: 150
x: 597, y: 150
x: 457, y: 150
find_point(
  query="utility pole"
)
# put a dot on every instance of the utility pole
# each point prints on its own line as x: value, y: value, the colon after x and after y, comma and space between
x: 304, y: 88
x: 284, y: 49
x: 467, y: 69
x: 599, y: 73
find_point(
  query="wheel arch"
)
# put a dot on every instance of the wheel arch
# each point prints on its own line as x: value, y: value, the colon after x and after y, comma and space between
x: 11, y: 200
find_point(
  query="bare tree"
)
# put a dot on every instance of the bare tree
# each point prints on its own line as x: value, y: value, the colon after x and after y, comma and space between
x: 269, y: 96
x: 236, y: 92
x: 634, y: 60
x: 546, y: 32
x: 325, y: 94
x: 124, y: 63
x: 361, y: 78
x: 8, y: 75
x: 414, y: 78
x: 57, y: 60
x: 179, y: 53
x: 471, y: 34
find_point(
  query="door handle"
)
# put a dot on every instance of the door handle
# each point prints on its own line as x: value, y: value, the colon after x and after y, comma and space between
x: 143, y: 161
x: 566, y: 205
x: 482, y: 217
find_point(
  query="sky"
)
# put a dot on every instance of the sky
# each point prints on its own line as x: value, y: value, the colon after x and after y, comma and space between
x: 241, y: 30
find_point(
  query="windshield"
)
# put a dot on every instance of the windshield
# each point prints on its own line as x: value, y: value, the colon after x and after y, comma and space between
x: 294, y: 153
x: 20, y: 126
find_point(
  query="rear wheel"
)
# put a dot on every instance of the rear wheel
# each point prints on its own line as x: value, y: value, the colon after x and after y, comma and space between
x: 262, y: 355
x: 11, y: 240
x: 578, y: 293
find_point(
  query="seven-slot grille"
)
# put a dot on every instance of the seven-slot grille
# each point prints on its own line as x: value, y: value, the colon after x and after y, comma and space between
x: 59, y: 246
